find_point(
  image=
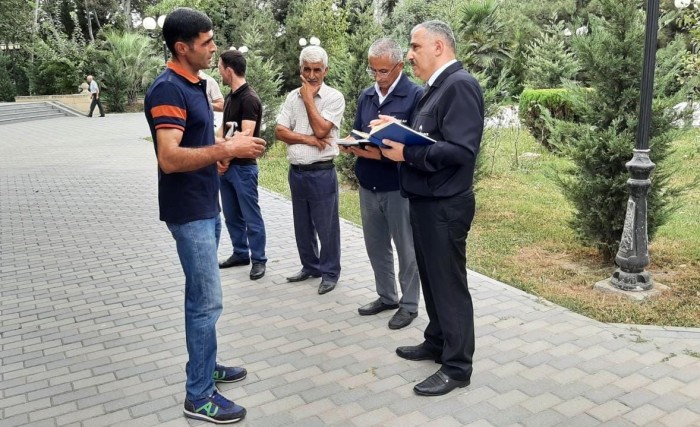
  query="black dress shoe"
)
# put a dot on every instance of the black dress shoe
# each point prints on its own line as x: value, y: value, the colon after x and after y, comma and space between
x: 375, y: 307
x: 234, y: 261
x: 257, y: 271
x: 438, y: 384
x: 416, y: 352
x: 301, y: 276
x: 402, y: 318
x: 325, y: 287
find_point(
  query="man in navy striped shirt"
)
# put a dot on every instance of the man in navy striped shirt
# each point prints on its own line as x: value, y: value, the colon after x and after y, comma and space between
x: 182, y: 126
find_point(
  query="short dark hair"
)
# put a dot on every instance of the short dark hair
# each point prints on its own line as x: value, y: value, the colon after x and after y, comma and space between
x: 184, y: 25
x: 234, y: 60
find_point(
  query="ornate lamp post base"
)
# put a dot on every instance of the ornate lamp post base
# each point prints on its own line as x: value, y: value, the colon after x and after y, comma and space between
x: 633, y: 254
x: 631, y: 281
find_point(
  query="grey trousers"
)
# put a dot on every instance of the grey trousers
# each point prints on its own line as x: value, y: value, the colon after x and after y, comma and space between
x: 385, y: 216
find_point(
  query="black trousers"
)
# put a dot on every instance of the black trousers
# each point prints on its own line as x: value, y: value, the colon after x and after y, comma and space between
x: 96, y: 101
x: 440, y: 229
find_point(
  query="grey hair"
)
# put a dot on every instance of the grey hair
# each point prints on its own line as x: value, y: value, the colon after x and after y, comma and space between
x: 313, y: 54
x: 386, y: 47
x: 438, y: 29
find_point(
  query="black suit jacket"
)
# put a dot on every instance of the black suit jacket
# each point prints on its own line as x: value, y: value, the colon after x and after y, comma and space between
x: 452, y: 113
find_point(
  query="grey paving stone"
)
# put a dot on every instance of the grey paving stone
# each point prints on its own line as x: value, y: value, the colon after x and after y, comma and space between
x: 544, y: 418
x: 476, y: 412
x: 604, y: 394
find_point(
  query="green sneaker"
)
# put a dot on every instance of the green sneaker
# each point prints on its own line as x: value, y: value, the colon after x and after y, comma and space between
x: 216, y: 409
x: 224, y: 374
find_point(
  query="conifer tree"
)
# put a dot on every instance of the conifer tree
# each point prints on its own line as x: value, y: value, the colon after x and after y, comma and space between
x: 602, y: 140
x: 548, y: 61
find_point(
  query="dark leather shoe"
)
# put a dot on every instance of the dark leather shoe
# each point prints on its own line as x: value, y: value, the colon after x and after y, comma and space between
x: 325, y: 287
x: 402, y: 318
x: 416, y: 352
x: 375, y: 307
x: 234, y: 261
x: 438, y: 384
x: 300, y: 276
x: 257, y: 271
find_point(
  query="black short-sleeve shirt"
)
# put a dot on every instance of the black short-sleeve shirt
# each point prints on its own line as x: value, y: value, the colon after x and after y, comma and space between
x: 243, y: 104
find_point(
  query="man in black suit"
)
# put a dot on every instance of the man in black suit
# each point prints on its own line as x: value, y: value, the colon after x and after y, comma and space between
x: 437, y: 179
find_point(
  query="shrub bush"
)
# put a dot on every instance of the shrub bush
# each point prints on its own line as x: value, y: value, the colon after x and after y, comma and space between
x: 537, y: 106
x: 7, y: 86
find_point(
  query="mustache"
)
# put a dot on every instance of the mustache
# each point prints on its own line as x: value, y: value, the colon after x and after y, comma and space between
x: 411, y: 62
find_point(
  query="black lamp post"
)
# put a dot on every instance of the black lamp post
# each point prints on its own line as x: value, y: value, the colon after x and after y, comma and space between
x: 633, y: 255
x: 150, y: 24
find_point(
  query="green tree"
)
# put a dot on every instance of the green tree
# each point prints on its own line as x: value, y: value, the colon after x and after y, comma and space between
x: 264, y: 75
x: 480, y: 38
x: 549, y: 62
x: 317, y: 18
x: 127, y: 66
x: 601, y: 142
x: 406, y: 15
x: 16, y: 21
x: 7, y: 86
x: 363, y: 30
x: 59, y: 59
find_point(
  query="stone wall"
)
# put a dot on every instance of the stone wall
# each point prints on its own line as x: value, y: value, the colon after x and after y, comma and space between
x: 79, y: 102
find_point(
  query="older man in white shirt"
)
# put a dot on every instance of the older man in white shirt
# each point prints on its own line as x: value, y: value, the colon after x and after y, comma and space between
x: 308, y: 123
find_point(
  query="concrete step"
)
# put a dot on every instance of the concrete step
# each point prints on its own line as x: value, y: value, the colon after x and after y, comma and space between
x: 29, y: 117
x: 22, y: 112
x: 38, y: 110
x: 15, y: 106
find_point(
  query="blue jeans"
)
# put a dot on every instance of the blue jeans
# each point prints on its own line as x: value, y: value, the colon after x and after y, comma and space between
x: 197, y: 243
x: 244, y: 222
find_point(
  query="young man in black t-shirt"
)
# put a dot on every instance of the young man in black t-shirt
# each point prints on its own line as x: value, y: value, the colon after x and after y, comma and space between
x: 239, y: 176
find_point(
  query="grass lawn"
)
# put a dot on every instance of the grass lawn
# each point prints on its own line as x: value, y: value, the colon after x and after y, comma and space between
x: 520, y: 234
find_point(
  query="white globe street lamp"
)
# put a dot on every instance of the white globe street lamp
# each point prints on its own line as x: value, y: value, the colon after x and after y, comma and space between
x: 313, y: 41
x: 150, y: 24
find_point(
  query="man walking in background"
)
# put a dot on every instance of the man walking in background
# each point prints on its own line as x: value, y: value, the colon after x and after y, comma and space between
x: 239, y: 177
x: 308, y: 123
x: 438, y: 180
x: 95, y: 95
x: 181, y: 124
x: 384, y: 211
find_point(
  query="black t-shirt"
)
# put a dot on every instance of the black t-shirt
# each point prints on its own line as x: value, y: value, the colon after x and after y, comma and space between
x: 243, y: 104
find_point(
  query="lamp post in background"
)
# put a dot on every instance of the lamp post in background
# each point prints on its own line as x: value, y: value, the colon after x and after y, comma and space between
x: 150, y: 24
x: 633, y: 254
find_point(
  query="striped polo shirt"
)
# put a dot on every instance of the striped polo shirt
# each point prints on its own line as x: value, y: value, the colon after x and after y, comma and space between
x: 177, y: 99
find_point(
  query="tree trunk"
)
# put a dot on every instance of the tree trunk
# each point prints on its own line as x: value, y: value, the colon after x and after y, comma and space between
x: 89, y: 22
x: 126, y: 7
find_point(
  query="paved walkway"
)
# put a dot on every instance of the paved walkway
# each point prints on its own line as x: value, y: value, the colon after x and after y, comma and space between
x: 91, y: 322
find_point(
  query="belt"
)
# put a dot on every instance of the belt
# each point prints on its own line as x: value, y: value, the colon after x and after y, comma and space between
x: 327, y: 164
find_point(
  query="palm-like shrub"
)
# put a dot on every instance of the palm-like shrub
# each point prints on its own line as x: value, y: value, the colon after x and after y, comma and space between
x: 128, y: 66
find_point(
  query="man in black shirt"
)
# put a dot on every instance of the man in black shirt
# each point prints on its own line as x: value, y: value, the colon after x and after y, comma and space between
x: 239, y: 176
